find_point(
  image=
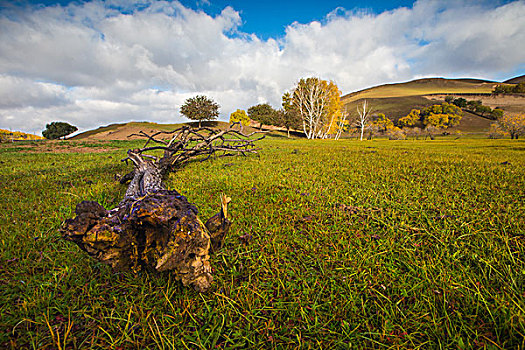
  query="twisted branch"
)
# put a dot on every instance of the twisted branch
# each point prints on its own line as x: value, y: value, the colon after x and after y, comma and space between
x: 187, y: 144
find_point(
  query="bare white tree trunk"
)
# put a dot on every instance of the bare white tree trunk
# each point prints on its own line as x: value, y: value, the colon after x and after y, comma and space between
x: 312, y: 102
x: 341, y: 126
x: 364, y: 117
x: 326, y: 130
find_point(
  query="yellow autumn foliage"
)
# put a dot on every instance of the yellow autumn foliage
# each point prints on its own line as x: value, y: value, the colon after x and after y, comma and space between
x: 514, y: 124
x: 6, y: 135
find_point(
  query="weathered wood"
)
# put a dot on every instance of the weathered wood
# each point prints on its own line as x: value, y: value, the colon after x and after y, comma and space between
x: 154, y: 228
x: 159, y: 231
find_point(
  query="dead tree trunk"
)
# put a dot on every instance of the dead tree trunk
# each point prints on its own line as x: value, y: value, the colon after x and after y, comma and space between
x: 154, y: 228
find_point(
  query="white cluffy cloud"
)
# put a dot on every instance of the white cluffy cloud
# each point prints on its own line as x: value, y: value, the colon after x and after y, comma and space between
x: 97, y: 63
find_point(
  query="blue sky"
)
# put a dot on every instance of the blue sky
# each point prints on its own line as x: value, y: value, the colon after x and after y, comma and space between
x: 270, y: 18
x: 98, y: 62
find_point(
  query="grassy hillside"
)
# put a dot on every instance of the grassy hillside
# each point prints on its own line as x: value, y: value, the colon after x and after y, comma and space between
x: 124, y: 130
x: 422, y: 87
x: 377, y: 244
x: 393, y: 107
x: 397, y: 107
x: 516, y: 80
x: 396, y: 100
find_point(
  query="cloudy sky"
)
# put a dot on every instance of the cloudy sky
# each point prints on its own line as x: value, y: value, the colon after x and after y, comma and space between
x: 94, y: 63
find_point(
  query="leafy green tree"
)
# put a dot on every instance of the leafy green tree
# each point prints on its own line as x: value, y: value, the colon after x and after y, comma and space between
x: 496, y: 113
x: 499, y: 89
x: 240, y: 116
x: 460, y: 102
x: 200, y: 108
x: 482, y: 110
x: 503, y: 89
x: 56, y: 130
x: 472, y: 105
x: 289, y: 117
x: 519, y: 88
x: 262, y: 113
x: 449, y: 98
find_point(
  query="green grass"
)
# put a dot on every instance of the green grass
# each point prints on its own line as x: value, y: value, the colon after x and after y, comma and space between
x: 377, y: 244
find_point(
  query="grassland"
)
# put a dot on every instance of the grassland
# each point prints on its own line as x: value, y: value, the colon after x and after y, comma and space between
x: 377, y: 244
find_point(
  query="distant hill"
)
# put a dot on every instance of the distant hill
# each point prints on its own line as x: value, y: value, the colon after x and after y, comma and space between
x: 396, y: 100
x: 421, y: 87
x: 475, y: 81
x: 516, y: 80
x: 17, y: 136
x: 123, y: 131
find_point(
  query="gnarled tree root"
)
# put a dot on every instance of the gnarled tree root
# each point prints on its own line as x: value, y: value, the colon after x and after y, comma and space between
x: 159, y: 231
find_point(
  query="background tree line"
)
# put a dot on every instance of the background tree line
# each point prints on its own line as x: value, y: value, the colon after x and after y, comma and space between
x: 314, y: 107
x: 509, y: 89
x: 476, y: 107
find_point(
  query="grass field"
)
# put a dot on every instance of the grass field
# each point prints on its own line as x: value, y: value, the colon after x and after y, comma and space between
x: 377, y: 244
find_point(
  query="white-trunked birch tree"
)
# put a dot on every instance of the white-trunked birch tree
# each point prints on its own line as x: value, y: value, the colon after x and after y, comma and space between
x: 363, y: 119
x: 318, y: 102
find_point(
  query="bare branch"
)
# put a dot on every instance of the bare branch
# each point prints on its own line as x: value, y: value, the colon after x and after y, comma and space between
x: 187, y: 144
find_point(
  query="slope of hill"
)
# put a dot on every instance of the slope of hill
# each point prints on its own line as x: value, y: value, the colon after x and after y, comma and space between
x: 516, y: 80
x: 124, y: 130
x: 422, y: 87
x: 475, y: 81
x: 396, y: 100
x: 17, y: 136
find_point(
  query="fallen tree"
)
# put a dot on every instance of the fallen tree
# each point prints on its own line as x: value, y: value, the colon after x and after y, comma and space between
x: 154, y: 228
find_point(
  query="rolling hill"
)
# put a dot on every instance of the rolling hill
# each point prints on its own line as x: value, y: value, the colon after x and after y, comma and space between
x: 396, y: 100
x: 123, y: 131
x: 421, y: 87
x: 516, y: 80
